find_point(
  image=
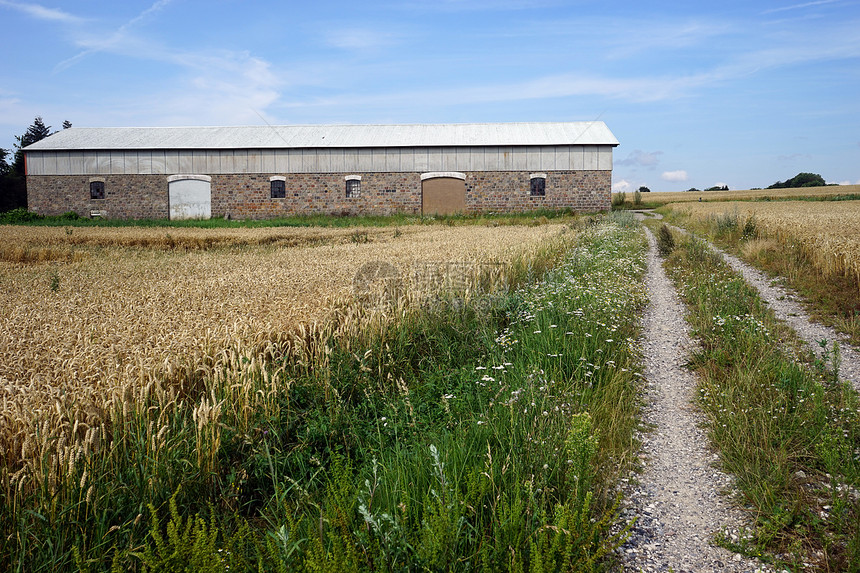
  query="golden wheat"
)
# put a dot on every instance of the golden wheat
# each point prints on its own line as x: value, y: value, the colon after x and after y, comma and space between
x: 132, y: 318
x: 828, y: 232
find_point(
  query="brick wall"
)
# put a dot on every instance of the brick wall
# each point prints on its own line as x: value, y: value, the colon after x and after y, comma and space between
x: 248, y: 195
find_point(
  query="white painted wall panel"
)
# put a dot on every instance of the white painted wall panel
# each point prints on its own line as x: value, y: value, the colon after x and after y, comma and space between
x: 103, y: 163
x: 56, y: 163
x: 267, y: 161
x: 294, y: 161
x: 346, y: 161
x: 590, y: 157
x: 392, y: 160
x: 144, y: 162
x: 421, y: 159
x: 198, y: 162
x: 327, y: 160
x: 533, y: 159
x: 35, y: 164
x: 255, y: 161
x: 76, y: 163
x: 449, y: 159
x: 562, y: 158
x: 520, y: 158
x: 547, y: 158
x: 604, y: 158
x: 240, y: 161
x: 159, y: 164
x: 434, y: 159
x: 407, y: 160
x: 365, y: 161
x: 211, y: 162
x: 186, y: 161
x: 117, y: 162
x: 377, y: 160
x: 130, y: 162
x: 491, y: 158
x: 171, y: 162
x: 282, y: 161
x: 577, y: 158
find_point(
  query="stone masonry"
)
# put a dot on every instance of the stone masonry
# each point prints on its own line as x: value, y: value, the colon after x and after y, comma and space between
x: 248, y: 195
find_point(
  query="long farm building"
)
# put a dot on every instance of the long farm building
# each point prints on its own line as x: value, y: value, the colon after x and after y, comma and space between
x: 269, y: 171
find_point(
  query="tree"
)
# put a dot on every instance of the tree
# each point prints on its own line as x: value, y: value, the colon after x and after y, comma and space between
x: 644, y: 189
x: 12, y: 191
x: 36, y: 132
x: 67, y: 124
x: 801, y: 180
x: 5, y: 168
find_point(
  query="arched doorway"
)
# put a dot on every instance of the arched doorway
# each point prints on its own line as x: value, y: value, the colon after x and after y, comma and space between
x: 443, y: 193
x: 189, y: 197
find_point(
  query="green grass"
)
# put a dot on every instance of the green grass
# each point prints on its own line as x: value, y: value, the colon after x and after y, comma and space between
x: 470, y: 435
x: 24, y: 217
x: 784, y: 425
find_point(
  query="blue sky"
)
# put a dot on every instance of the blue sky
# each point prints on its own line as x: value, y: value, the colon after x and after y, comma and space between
x: 699, y: 94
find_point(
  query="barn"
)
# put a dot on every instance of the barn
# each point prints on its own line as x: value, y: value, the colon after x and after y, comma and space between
x: 269, y: 171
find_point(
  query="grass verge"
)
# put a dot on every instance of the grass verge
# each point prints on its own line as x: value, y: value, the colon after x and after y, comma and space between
x: 24, y: 217
x: 482, y: 434
x: 787, y: 428
x: 832, y: 300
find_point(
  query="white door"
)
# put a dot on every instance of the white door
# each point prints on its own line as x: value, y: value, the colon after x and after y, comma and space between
x: 189, y: 197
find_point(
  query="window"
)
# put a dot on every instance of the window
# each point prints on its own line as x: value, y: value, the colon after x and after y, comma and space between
x: 353, y: 185
x: 97, y: 189
x: 279, y: 189
x: 537, y: 185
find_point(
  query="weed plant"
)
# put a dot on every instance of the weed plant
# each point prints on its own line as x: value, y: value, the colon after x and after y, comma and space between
x: 787, y: 428
x: 483, y: 434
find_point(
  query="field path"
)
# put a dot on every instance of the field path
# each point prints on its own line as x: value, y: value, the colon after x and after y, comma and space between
x: 786, y: 307
x: 677, y: 498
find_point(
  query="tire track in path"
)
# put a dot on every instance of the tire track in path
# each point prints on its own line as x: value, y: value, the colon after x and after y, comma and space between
x: 677, y: 498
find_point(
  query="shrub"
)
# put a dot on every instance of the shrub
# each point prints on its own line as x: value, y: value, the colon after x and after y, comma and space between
x: 19, y: 215
x: 665, y: 241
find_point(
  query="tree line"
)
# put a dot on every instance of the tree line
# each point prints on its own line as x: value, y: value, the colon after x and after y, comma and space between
x: 13, y: 180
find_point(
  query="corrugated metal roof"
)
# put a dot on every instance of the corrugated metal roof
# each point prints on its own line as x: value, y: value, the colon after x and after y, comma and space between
x: 310, y: 136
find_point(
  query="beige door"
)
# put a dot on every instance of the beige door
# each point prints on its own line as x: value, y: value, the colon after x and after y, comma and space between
x: 443, y: 196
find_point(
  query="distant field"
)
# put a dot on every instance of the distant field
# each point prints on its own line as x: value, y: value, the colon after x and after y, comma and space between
x: 758, y: 194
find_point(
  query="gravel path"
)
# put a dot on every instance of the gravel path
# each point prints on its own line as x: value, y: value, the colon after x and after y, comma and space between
x: 677, y: 498
x: 786, y: 307
x: 784, y: 304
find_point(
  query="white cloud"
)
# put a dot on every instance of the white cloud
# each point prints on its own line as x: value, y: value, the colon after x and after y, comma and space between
x: 799, y: 6
x: 622, y: 186
x: 42, y: 13
x: 676, y: 176
x: 643, y: 158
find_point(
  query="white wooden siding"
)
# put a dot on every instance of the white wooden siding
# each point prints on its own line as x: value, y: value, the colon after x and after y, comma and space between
x: 356, y: 160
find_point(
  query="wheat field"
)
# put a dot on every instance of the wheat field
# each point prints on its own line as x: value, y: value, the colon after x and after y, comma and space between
x: 93, y: 318
x: 752, y: 194
x: 828, y: 232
